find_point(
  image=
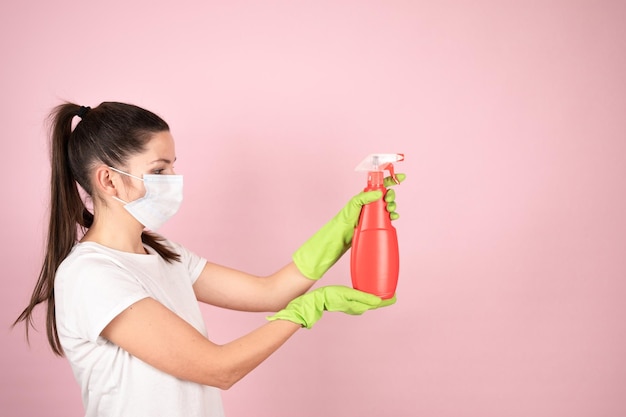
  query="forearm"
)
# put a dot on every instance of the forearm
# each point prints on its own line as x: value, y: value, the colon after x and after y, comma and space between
x: 285, y: 285
x: 246, y: 353
x: 236, y: 290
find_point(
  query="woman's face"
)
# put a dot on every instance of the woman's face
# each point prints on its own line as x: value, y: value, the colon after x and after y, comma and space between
x: 157, y: 159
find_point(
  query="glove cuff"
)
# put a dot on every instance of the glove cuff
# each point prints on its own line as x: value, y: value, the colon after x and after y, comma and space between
x: 291, y: 316
x: 318, y: 254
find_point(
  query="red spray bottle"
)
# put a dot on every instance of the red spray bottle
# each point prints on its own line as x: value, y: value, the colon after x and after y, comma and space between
x: 375, y: 261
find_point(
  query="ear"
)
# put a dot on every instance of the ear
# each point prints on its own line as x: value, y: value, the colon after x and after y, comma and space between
x: 106, y: 181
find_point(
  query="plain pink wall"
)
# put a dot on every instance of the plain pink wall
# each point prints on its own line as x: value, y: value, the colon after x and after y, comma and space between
x: 512, y: 118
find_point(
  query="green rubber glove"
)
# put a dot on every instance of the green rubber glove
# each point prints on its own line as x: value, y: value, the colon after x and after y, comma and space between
x: 308, y: 308
x: 318, y: 254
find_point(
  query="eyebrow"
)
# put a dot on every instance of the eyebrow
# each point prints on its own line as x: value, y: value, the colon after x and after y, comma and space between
x: 167, y: 161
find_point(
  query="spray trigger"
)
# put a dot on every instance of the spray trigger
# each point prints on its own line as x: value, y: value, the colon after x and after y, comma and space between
x: 389, y: 167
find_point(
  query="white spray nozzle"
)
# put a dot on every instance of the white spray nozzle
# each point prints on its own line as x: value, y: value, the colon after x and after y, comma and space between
x: 379, y: 161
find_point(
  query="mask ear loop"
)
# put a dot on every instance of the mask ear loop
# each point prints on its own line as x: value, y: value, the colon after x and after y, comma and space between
x: 119, y: 199
x: 124, y: 173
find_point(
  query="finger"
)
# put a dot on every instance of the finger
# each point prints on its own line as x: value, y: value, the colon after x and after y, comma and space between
x: 366, y: 197
x: 388, y: 181
x: 362, y: 297
x: 388, y: 302
x: 356, y: 309
x: 394, y: 216
x: 390, y: 195
x: 391, y: 207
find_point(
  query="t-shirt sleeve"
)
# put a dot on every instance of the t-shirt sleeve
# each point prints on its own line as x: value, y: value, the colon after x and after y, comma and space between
x: 193, y: 263
x: 94, y: 290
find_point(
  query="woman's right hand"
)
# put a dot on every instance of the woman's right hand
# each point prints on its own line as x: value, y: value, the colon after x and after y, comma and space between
x: 307, y: 309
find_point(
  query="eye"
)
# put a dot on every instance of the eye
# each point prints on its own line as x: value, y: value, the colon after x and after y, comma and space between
x: 158, y: 171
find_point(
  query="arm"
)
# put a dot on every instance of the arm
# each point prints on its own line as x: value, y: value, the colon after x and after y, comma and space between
x: 236, y: 290
x: 157, y: 336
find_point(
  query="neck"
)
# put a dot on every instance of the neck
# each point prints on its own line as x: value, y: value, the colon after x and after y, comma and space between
x: 115, y: 231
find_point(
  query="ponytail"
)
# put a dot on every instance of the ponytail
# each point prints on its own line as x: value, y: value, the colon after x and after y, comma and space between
x: 66, y: 211
x: 72, y: 155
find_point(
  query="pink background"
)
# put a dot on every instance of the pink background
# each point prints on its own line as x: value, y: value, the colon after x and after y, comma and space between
x: 512, y: 116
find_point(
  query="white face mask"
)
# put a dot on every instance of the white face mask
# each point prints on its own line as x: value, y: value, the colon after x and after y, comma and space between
x: 164, y: 195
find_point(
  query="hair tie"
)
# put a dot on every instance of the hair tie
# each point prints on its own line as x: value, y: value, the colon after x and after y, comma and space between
x: 83, y: 111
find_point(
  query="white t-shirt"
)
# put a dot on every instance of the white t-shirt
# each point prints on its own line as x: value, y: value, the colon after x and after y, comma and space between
x: 93, y: 285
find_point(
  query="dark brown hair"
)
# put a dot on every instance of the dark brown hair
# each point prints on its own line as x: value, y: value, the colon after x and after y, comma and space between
x: 108, y: 134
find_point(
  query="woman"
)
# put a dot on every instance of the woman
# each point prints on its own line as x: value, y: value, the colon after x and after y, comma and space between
x: 122, y: 301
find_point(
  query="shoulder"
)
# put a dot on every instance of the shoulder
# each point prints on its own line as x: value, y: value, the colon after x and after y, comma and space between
x: 91, y: 264
x: 92, y: 272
